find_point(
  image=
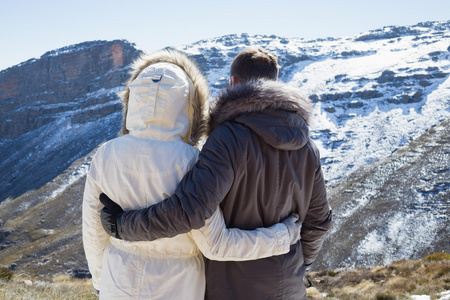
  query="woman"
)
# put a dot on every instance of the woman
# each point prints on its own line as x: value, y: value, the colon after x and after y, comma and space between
x: 165, y: 108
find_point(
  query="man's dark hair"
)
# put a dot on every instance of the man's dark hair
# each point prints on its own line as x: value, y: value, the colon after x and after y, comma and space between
x: 254, y: 63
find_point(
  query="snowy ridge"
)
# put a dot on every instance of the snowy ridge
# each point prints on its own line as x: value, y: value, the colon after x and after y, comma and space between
x: 371, y: 95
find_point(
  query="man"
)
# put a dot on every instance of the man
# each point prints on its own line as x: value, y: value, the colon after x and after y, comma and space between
x: 260, y: 166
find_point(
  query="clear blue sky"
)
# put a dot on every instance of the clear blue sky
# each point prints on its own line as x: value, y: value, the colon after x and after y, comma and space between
x: 29, y: 28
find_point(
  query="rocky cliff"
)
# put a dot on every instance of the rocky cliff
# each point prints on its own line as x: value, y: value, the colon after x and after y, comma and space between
x: 50, y: 106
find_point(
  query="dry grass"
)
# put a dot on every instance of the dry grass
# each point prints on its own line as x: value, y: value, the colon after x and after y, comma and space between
x: 401, y: 279
x: 62, y: 287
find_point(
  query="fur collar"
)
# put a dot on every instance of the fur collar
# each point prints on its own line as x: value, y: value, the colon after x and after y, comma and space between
x: 200, y: 103
x: 257, y: 96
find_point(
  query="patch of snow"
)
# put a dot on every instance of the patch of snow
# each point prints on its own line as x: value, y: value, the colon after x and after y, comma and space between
x: 444, y: 295
x: 24, y: 206
x: 77, y: 174
x: 101, y: 92
x: 420, y: 297
x: 402, y: 235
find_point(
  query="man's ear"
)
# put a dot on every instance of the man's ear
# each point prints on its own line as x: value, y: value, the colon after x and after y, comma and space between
x: 234, y: 81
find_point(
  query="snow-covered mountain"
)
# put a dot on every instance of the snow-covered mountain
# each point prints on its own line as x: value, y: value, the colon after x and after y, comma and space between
x: 374, y: 95
x: 396, y: 207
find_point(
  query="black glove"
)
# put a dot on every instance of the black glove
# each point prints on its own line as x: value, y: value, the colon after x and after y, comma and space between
x: 110, y: 216
x: 308, y: 283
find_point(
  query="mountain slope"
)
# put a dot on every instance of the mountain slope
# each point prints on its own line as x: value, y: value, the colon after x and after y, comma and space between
x: 372, y: 93
x: 379, y: 97
x: 56, y: 109
x: 40, y: 231
x: 397, y: 207
x: 394, y: 208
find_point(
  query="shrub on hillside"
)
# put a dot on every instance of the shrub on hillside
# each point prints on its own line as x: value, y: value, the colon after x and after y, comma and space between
x: 437, y: 256
x: 6, y: 274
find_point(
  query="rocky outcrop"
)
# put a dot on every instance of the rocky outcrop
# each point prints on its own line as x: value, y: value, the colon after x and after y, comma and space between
x: 33, y: 91
x: 49, y: 107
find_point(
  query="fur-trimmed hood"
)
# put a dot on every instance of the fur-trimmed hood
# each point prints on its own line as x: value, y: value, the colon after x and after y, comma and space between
x: 274, y: 110
x: 199, y: 90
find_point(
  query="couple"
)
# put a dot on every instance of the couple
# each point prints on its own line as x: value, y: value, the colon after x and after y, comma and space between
x: 256, y: 171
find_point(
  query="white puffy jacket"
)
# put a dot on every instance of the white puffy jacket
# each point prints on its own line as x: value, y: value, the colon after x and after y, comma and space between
x: 143, y: 167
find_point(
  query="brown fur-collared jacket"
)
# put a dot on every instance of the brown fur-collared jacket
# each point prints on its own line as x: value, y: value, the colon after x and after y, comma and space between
x: 260, y: 166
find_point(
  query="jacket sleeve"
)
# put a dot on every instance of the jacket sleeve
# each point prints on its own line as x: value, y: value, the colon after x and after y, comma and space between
x: 318, y: 219
x: 95, y: 238
x: 217, y: 242
x: 196, y: 197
